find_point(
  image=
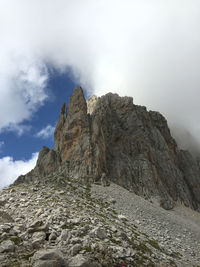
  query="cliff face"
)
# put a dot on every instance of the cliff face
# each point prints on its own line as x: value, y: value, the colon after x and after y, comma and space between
x: 110, y: 137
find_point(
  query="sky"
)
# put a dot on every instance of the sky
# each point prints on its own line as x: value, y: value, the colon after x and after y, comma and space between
x: 147, y: 49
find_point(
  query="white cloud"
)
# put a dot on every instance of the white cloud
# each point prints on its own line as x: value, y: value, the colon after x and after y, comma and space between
x: 22, y: 89
x: 146, y: 49
x: 19, y: 128
x: 10, y: 169
x: 46, y: 132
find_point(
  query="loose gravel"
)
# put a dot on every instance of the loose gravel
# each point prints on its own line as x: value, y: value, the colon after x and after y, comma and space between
x: 177, y: 229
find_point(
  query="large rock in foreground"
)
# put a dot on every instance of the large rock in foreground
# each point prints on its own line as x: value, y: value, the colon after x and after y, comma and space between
x: 129, y: 145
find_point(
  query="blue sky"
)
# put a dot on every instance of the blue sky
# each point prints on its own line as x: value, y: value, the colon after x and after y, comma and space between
x: 21, y: 146
x: 149, y: 50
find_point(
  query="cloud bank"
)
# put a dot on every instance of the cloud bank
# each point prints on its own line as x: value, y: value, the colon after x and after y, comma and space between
x: 146, y: 49
x: 10, y: 169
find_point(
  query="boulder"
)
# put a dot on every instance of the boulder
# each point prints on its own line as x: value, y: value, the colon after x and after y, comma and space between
x: 7, y: 246
x: 75, y: 249
x: 48, y: 258
x: 80, y: 261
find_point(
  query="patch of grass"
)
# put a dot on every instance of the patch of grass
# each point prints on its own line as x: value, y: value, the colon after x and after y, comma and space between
x: 49, y: 200
x: 139, y: 262
x: 176, y: 255
x: 145, y: 235
x: 88, y: 249
x: 117, y: 242
x: 154, y: 244
x: 11, y: 264
x: 67, y: 226
x: 73, y: 188
x: 142, y: 247
x: 114, y: 211
x: 172, y: 263
x: 81, y: 235
x: 29, y: 255
x: 15, y: 239
x: 136, y: 234
x: 113, y: 216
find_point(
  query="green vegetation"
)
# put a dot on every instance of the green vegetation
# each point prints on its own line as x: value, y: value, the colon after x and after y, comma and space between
x: 88, y: 249
x: 117, y: 242
x: 11, y: 264
x: 154, y: 244
x: 172, y: 263
x: 69, y: 226
x: 29, y: 255
x: 144, y: 249
x: 176, y: 255
x: 15, y: 239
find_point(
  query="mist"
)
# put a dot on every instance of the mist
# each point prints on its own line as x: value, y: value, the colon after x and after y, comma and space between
x: 145, y: 49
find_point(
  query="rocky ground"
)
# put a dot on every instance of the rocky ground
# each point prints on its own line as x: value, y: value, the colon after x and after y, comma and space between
x: 55, y: 221
x: 177, y: 231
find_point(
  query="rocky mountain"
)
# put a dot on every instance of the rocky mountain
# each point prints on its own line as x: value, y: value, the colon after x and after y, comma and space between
x: 94, y: 199
x: 110, y: 139
x: 58, y: 221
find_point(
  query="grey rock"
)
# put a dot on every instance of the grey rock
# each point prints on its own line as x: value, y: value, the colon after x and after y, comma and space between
x: 2, y: 202
x: 48, y: 258
x: 75, y: 221
x: 75, y: 249
x: 124, y: 236
x: 81, y: 261
x: 112, y: 200
x: 101, y: 234
x: 53, y: 236
x: 98, y: 232
x: 122, y: 217
x: 37, y: 226
x: 6, y: 227
x: 65, y: 234
x: 39, y: 236
x: 7, y: 246
x: 37, y: 244
x: 91, y: 104
x: 104, y: 180
x: 5, y: 217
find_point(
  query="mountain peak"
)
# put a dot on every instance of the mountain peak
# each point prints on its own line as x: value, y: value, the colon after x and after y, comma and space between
x: 110, y: 139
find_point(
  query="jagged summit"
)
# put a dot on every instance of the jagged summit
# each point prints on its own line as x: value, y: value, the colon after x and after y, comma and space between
x: 111, y: 139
